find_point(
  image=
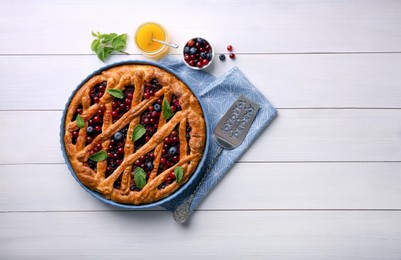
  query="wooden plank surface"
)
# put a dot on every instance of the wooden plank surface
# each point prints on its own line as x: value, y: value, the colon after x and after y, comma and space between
x: 50, y: 187
x: 296, y: 135
x: 257, y: 26
x: 289, y: 81
x: 322, y: 182
x: 211, y: 235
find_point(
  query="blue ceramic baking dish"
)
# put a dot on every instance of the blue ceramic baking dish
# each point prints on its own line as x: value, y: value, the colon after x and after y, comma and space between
x: 186, y: 188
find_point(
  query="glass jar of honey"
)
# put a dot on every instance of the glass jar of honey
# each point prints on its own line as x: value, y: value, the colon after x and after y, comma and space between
x: 144, y: 40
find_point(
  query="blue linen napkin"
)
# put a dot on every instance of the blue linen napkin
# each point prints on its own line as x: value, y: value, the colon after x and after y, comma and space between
x: 217, y: 95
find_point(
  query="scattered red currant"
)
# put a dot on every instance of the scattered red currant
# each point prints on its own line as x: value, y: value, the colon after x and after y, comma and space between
x: 230, y: 48
x: 232, y: 55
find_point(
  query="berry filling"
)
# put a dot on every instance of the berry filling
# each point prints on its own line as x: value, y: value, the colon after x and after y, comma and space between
x: 74, y: 117
x: 78, y: 111
x: 146, y: 163
x: 117, y: 183
x: 115, y: 151
x: 171, y: 177
x: 75, y: 136
x: 187, y: 137
x: 175, y: 104
x: 95, y: 125
x: 150, y: 121
x: 151, y: 88
x: 97, y: 92
x: 121, y: 106
x: 170, y: 152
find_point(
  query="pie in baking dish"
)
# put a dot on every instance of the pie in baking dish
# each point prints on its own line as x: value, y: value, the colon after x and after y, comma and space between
x: 134, y: 133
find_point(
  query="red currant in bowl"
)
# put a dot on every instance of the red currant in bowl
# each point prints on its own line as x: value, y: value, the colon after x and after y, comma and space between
x: 198, y: 53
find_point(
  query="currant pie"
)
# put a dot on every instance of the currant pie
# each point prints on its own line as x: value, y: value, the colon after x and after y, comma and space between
x: 134, y: 133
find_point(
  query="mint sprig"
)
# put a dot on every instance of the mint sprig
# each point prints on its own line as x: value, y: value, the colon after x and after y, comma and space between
x: 140, y: 177
x: 115, y: 92
x: 99, y: 156
x: 138, y: 132
x: 179, y: 173
x: 79, y: 121
x: 105, y: 44
x: 167, y: 111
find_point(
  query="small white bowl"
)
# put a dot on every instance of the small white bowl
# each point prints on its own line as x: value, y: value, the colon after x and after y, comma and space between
x: 193, y: 50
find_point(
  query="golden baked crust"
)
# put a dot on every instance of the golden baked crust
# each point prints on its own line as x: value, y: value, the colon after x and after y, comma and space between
x: 168, y: 143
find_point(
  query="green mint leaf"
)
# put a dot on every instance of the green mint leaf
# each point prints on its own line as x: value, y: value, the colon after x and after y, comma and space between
x: 167, y: 111
x: 115, y: 92
x: 119, y: 42
x: 105, y: 44
x: 140, y: 177
x: 95, y: 44
x: 99, y: 156
x: 179, y: 173
x: 107, y: 38
x: 107, y: 51
x: 80, y: 122
x: 138, y: 132
x: 100, y: 53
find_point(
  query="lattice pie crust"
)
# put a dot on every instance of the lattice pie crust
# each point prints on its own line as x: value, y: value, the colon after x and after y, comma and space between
x: 109, y: 125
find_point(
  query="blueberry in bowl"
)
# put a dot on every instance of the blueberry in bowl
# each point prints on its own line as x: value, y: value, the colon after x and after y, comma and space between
x: 198, y: 53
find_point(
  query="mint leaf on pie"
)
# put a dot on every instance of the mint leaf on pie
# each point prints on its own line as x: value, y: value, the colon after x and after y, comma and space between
x: 140, y: 177
x: 80, y: 122
x: 99, y: 156
x: 115, y: 92
x: 138, y: 132
x: 167, y: 111
x: 179, y: 173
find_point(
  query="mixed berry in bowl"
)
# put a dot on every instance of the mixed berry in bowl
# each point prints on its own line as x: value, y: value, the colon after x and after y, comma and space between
x: 198, y: 53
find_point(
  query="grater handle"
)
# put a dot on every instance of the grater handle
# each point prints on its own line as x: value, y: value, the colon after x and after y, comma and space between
x: 181, y: 214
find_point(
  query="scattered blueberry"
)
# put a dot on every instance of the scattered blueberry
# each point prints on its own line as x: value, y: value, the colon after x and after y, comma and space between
x: 203, y: 55
x: 222, y: 57
x: 156, y: 107
x: 172, y: 150
x: 90, y: 129
x: 192, y: 50
x: 118, y: 136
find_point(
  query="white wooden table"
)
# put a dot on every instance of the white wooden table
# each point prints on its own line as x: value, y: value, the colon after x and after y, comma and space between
x: 322, y: 182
